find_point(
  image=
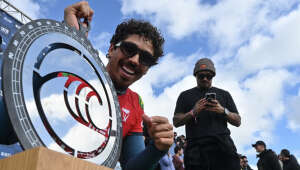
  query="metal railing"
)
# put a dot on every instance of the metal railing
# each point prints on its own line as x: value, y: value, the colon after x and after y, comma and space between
x: 14, y: 12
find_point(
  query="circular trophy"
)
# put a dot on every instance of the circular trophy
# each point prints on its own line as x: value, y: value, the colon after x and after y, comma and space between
x: 58, y: 94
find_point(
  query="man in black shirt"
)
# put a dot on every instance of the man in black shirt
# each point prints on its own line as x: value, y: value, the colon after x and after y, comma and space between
x: 205, y: 111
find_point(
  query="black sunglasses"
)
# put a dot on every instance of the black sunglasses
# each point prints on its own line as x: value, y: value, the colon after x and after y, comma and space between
x: 130, y: 49
x: 202, y: 76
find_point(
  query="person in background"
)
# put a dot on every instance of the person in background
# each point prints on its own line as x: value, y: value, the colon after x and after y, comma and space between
x: 268, y: 159
x: 175, y: 136
x: 289, y: 161
x: 244, y: 163
x: 178, y: 163
x: 166, y: 162
x: 206, y: 111
x: 280, y: 161
x: 174, y: 144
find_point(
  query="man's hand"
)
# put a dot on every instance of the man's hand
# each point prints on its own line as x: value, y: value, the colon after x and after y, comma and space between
x: 76, y: 11
x: 200, y: 106
x: 214, y: 106
x: 160, y: 130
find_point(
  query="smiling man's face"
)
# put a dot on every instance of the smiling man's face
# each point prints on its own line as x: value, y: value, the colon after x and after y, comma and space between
x: 124, y: 70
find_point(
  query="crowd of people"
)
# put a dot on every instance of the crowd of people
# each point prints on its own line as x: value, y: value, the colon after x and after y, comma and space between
x: 267, y: 158
x: 173, y: 160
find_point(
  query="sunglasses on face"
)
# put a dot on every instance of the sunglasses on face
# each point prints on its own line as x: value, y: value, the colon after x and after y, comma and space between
x: 130, y: 49
x: 202, y: 76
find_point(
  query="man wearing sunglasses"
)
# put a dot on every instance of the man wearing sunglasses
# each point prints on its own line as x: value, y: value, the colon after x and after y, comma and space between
x: 205, y: 111
x: 244, y: 163
x: 134, y: 48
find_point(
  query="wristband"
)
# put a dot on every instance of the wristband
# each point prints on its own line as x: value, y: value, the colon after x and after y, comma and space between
x: 194, y: 115
x: 226, y: 111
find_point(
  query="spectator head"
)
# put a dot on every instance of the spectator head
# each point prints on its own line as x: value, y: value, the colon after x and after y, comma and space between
x: 245, y: 160
x: 204, y: 64
x: 285, y: 154
x: 204, y: 71
x: 241, y: 162
x: 259, y: 146
x: 178, y: 150
x: 135, y: 46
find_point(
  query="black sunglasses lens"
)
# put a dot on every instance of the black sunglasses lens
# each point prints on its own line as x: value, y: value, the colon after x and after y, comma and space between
x: 202, y: 76
x: 147, y: 59
x: 129, y: 49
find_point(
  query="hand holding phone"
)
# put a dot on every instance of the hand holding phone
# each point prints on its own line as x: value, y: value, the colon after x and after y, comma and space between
x: 210, y: 96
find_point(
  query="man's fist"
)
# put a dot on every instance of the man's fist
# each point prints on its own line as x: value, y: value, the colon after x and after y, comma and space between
x: 160, y: 130
x: 76, y: 11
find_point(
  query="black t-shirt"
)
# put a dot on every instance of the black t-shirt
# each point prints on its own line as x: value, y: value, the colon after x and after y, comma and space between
x: 207, y: 123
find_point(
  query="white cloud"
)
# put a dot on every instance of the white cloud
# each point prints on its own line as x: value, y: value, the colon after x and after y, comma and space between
x: 293, y: 113
x: 51, y: 107
x: 164, y: 104
x: 229, y: 22
x: 181, y: 17
x: 276, y: 51
x: 171, y: 68
x: 101, y: 41
x: 84, y: 139
x: 102, y: 57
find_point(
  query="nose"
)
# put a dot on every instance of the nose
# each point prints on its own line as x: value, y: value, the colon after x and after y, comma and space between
x: 134, y: 59
x: 205, y: 78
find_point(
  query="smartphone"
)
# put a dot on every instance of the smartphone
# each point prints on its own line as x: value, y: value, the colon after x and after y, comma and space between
x: 210, y: 96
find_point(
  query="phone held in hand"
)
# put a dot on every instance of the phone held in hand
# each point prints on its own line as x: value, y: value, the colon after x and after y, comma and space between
x: 210, y: 96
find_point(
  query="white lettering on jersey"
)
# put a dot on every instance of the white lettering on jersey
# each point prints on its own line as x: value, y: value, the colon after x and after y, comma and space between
x: 125, y: 113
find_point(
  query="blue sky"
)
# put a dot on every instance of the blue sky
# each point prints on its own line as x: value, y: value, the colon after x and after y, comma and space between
x: 254, y: 44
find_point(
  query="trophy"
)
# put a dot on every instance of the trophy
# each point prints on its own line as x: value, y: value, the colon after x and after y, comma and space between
x: 58, y: 94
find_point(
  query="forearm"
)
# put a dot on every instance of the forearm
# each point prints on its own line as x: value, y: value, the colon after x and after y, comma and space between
x: 234, y: 119
x: 181, y: 119
x: 135, y: 156
x: 146, y: 159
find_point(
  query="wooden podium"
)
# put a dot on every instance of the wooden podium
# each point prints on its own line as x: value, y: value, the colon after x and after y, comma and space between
x: 41, y: 158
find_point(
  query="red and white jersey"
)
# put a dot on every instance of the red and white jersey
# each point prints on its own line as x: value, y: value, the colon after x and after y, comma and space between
x: 132, y: 109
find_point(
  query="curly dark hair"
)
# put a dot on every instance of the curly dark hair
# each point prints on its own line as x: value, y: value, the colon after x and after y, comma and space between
x: 141, y: 28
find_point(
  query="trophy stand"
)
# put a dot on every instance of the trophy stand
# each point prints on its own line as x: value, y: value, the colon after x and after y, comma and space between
x: 41, y: 158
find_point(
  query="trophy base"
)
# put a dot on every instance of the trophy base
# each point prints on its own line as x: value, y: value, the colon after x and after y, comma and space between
x: 41, y: 158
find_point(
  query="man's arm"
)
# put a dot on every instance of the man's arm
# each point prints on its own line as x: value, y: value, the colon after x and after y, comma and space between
x: 181, y: 119
x: 233, y: 118
x: 135, y: 156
